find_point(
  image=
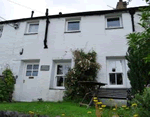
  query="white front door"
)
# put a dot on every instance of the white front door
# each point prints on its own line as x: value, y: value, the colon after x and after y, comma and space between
x: 30, y: 82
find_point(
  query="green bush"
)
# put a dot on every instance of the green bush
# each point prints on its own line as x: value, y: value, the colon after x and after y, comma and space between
x: 143, y: 103
x: 85, y: 69
x: 7, y: 86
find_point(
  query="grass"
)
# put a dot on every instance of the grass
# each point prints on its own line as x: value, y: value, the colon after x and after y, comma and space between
x: 54, y: 109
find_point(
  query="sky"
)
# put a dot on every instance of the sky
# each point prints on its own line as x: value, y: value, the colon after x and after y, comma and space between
x: 9, y: 10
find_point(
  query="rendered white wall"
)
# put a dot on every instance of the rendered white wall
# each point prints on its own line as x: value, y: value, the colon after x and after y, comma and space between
x: 93, y: 35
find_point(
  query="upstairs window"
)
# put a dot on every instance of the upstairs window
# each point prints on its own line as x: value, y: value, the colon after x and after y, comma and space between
x: 73, y: 25
x: 1, y: 30
x: 33, y: 27
x: 113, y: 22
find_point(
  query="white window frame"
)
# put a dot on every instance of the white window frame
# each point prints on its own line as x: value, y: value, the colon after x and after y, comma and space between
x: 1, y: 27
x: 31, y: 69
x: 120, y: 19
x: 72, y: 21
x: 124, y: 74
x: 63, y: 75
x: 28, y: 26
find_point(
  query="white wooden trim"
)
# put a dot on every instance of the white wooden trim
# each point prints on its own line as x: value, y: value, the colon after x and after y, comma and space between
x: 28, y: 25
x: 73, y: 21
x: 123, y: 74
x: 120, y: 20
x: 55, y: 76
x: 31, y: 69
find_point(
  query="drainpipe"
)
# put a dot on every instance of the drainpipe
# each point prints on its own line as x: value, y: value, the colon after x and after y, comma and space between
x: 132, y: 12
x: 46, y: 30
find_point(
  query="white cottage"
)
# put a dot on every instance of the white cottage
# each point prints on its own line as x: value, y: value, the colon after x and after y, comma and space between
x: 38, y: 49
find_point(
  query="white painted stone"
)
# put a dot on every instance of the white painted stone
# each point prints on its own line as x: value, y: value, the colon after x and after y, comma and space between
x: 93, y: 35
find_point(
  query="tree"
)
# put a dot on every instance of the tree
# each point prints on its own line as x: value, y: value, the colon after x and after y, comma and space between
x: 138, y: 54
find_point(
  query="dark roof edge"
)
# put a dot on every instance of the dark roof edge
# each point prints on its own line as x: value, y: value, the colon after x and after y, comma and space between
x: 74, y: 14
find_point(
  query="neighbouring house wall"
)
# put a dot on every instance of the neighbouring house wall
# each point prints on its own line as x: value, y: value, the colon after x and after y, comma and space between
x: 93, y: 35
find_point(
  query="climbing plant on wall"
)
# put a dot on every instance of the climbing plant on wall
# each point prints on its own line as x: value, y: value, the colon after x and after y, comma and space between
x: 85, y: 69
x: 7, y: 85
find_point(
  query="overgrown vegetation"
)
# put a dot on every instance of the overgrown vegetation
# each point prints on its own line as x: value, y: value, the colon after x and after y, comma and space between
x: 85, y: 69
x: 138, y: 54
x: 143, y: 102
x: 7, y: 86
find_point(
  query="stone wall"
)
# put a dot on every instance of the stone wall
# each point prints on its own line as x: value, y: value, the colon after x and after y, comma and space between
x: 17, y: 114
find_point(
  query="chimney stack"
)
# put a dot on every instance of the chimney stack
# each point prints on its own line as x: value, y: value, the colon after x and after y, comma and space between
x: 121, y: 5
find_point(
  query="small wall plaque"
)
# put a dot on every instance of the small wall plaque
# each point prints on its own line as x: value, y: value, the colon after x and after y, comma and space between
x: 45, y: 67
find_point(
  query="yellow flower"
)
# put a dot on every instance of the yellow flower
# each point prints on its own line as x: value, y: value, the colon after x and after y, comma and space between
x: 99, y: 102
x: 124, y: 106
x: 95, y: 98
x: 103, y: 106
x: 100, y: 108
x: 136, y: 115
x: 63, y: 114
x: 134, y: 105
x: 127, y: 108
x: 114, y: 109
x: 89, y: 112
x: 30, y: 112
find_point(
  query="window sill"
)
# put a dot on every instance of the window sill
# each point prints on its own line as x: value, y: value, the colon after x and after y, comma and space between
x: 114, y: 28
x: 30, y: 33
x: 56, y: 89
x: 73, y: 32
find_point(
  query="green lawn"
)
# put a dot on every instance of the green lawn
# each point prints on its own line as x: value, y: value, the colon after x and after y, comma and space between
x: 49, y: 108
x: 54, y: 109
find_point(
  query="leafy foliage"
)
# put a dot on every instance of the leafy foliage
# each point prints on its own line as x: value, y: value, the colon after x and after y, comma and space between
x: 143, y: 102
x: 7, y: 86
x: 138, y: 54
x: 85, y: 69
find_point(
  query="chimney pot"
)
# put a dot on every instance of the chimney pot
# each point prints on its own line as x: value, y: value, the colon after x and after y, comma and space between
x: 60, y: 13
x: 32, y: 14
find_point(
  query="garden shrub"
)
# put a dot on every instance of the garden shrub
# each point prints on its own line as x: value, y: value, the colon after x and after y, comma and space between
x: 7, y: 86
x: 143, y: 103
x: 85, y: 69
x: 138, y: 54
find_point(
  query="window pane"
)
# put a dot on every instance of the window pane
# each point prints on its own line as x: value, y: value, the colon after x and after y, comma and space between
x: 35, y: 73
x: 36, y: 67
x: 59, y: 80
x: 112, y: 78
x: 59, y: 69
x: 29, y: 66
x: 33, y: 27
x: 113, y: 22
x: 28, y: 73
x: 66, y: 68
x: 119, y: 79
x: 73, y: 25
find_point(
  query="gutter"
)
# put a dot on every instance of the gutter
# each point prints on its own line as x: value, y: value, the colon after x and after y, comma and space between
x: 132, y: 12
x: 88, y: 13
x: 46, y: 30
